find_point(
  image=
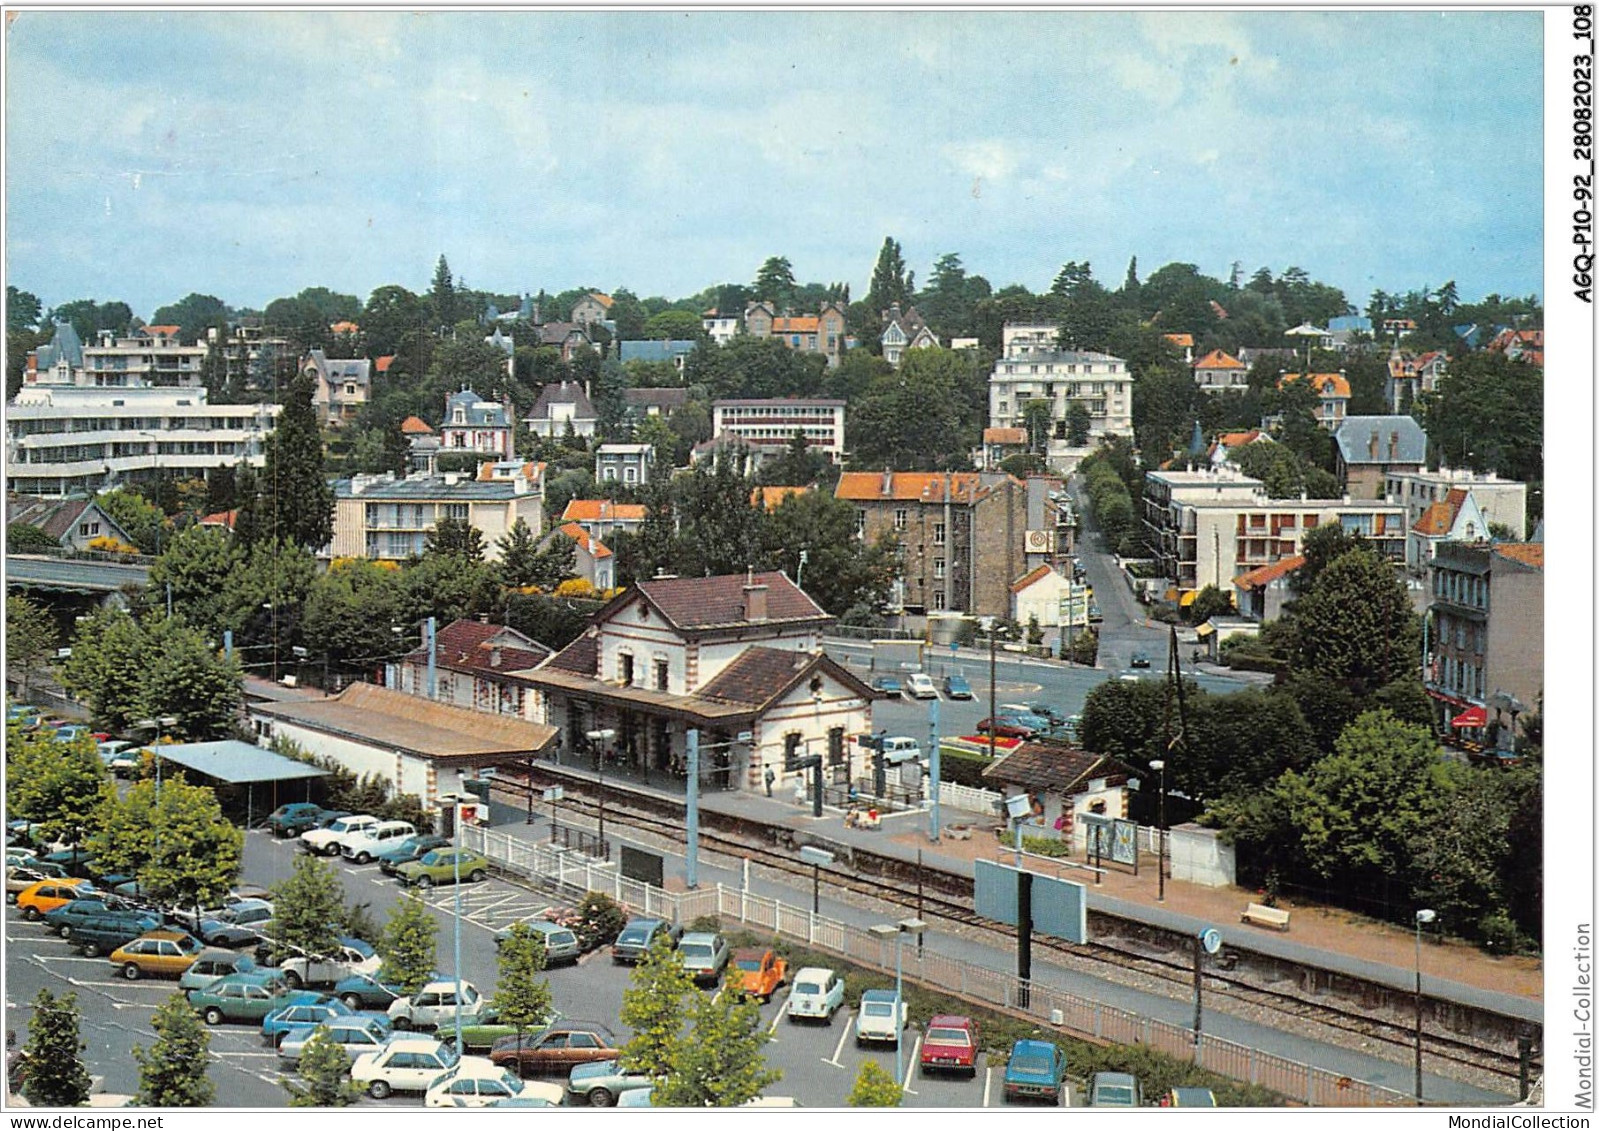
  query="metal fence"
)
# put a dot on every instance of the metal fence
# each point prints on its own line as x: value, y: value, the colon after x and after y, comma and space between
x: 569, y: 878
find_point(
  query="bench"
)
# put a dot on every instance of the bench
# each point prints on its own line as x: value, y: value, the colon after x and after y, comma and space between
x: 1262, y: 916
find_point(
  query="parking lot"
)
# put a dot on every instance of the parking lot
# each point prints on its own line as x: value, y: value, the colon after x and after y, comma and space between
x: 819, y: 1062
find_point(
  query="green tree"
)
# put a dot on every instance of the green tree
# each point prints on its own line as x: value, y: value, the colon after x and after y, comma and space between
x: 127, y: 669
x: 654, y: 1007
x: 454, y: 536
x: 349, y: 613
x: 391, y: 312
x: 1164, y: 402
x: 308, y: 907
x: 554, y: 563
x: 442, y: 302
x: 1078, y: 423
x: 775, y: 283
x: 1037, y: 417
x: 1210, y: 602
x: 449, y: 587
x: 890, y: 280
x: 674, y: 325
x: 719, y: 527
x: 720, y: 1065
x: 56, y: 1075
x: 409, y: 945
x: 1356, y: 625
x: 296, y: 498
x: 915, y: 418
x: 22, y: 310
x: 53, y: 783
x: 521, y: 997
x: 142, y: 519
x: 198, y: 565
x: 30, y: 638
x: 325, y: 1070
x: 172, y: 1072
x: 518, y: 553
x: 840, y: 571
x: 174, y: 841
x: 1487, y: 415
x: 874, y: 1088
x: 193, y: 315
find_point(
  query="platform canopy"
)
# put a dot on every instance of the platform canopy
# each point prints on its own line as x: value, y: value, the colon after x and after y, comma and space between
x: 237, y: 763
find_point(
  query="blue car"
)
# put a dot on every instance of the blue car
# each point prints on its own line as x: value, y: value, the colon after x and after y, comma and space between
x: 1036, y: 1070
x: 363, y: 991
x: 887, y: 685
x: 957, y: 687
x: 304, y: 1014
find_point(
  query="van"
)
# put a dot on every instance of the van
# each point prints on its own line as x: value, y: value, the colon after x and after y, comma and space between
x: 817, y: 994
x: 898, y: 748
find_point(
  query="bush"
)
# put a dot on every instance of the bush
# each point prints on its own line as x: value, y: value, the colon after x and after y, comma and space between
x: 1045, y: 845
x: 600, y: 920
x: 961, y: 768
x: 709, y: 923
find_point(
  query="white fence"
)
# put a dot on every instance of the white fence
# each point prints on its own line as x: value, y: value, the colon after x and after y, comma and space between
x: 969, y: 800
x: 569, y: 878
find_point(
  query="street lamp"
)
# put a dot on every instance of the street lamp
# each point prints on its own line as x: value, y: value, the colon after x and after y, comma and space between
x: 157, y: 724
x: 1423, y: 915
x: 1159, y: 767
x: 987, y: 624
x: 597, y: 738
x: 899, y: 931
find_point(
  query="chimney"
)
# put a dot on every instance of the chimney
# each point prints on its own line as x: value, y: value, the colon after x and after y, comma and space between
x: 754, y: 602
x: 888, y: 483
x: 1371, y: 448
x: 1393, y: 446
x: 494, y: 656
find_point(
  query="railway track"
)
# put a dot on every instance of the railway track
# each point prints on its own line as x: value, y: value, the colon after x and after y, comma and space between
x: 956, y: 908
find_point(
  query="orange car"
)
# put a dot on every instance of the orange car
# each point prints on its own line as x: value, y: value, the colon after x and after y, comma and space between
x: 47, y: 895
x: 760, y: 972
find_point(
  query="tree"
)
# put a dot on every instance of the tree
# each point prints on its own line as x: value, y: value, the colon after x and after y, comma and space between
x: 518, y: 554
x: 308, y: 907
x: 654, y: 1007
x: 441, y: 296
x: 555, y: 563
x: 1163, y: 410
x: 454, y: 536
x: 142, y: 519
x: 128, y: 669
x: 775, y: 283
x: 1356, y: 625
x: 409, y: 945
x: 841, y: 571
x: 1487, y: 415
x: 521, y: 997
x: 172, y: 1072
x: 1078, y: 423
x: 22, y: 310
x: 674, y: 325
x: 874, y: 1088
x: 718, y: 524
x: 298, y: 502
x: 915, y: 418
x: 1210, y: 602
x: 325, y: 1070
x: 53, y: 783
x: 391, y: 312
x: 175, y: 842
x: 349, y: 612
x: 56, y: 1075
x: 193, y: 315
x: 720, y: 1065
x: 1036, y: 419
x: 890, y: 281
x: 30, y: 637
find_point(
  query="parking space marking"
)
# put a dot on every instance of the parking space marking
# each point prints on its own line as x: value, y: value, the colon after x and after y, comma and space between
x: 910, y: 1067
x: 163, y: 987
x: 842, y: 1037
x: 71, y: 958
x: 988, y: 1080
x: 36, y: 939
x: 135, y: 1005
x: 778, y: 1016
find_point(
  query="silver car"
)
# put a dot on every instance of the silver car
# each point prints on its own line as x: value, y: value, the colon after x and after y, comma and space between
x: 356, y: 1035
x: 705, y: 956
x: 560, y: 943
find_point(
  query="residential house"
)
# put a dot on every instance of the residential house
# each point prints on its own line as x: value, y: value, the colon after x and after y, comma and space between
x: 1044, y: 593
x: 770, y: 498
x: 1454, y: 518
x: 1032, y: 367
x: 675, y: 351
x: 769, y: 426
x: 1485, y: 637
x: 723, y: 657
x: 592, y: 308
x: 416, y: 746
x: 1068, y: 789
x: 76, y: 523
x: 819, y: 333
x: 1332, y: 391
x: 149, y: 356
x: 59, y: 361
x: 343, y: 387
x: 65, y: 440
x: 1345, y: 328
x: 1503, y: 502
x: 592, y: 559
x: 1001, y: 443
x: 476, y: 426
x: 904, y: 331
x: 624, y: 463
x: 506, y: 345
x: 602, y: 517
x: 1527, y: 345
x: 475, y: 665
x: 560, y: 407
x: 1219, y: 371
x: 1225, y: 444
x: 424, y: 444
x: 1410, y: 375
x: 638, y: 404
x: 1183, y: 342
x: 1278, y: 356
x: 1368, y: 449
x: 1261, y: 593
x: 388, y: 519
x: 567, y: 337
x: 722, y: 328
x: 962, y: 534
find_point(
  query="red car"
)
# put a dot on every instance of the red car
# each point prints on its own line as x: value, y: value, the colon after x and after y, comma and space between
x: 1004, y: 728
x: 950, y: 1045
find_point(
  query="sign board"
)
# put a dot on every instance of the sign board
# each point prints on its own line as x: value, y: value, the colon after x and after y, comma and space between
x: 645, y: 867
x: 1074, y: 605
x: 554, y: 793
x: 1060, y: 907
x: 1038, y: 542
x: 1116, y: 838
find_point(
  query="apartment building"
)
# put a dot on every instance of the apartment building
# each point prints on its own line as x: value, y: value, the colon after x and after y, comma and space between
x: 768, y: 426
x: 1370, y: 449
x: 1503, y: 502
x: 1033, y: 368
x: 148, y: 356
x: 388, y: 519
x: 64, y: 440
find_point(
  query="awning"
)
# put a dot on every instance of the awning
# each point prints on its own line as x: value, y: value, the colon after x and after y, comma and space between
x: 237, y: 763
x: 1188, y: 598
x: 1205, y: 630
x: 1471, y: 717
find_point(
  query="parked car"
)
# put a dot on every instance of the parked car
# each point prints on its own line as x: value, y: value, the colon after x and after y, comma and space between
x: 950, y: 1045
x: 600, y: 1082
x: 441, y: 867
x: 47, y: 895
x: 1189, y: 1097
x: 1004, y: 727
x: 475, y: 1082
x: 560, y: 943
x: 405, y: 1064
x: 535, y: 1093
x: 367, y: 991
x: 758, y: 972
x: 247, y: 912
x: 1035, y: 1070
x: 555, y: 1049
x: 165, y: 953
x: 295, y: 818
x: 411, y: 848
x: 956, y: 686
x: 881, y: 1017
x: 353, y: 956
x: 126, y: 763
x: 325, y: 840
x: 363, y: 847
x: 633, y: 943
x: 1139, y: 660
x: 1114, y: 1089
x: 886, y: 685
x: 919, y: 685
x: 98, y: 911
x: 355, y: 1034
x: 705, y: 956
x: 434, y: 1004
x: 817, y: 994
x: 1021, y: 713
x: 1049, y: 714
x: 211, y: 964
x: 308, y: 1015
x: 22, y: 876
x: 244, y: 997
x: 217, y: 932
x: 478, y: 1034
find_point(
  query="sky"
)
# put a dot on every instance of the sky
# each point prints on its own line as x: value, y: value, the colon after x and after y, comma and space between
x: 251, y: 155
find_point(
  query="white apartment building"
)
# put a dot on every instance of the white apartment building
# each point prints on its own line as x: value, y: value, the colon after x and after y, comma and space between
x: 722, y: 328
x: 1032, y: 368
x: 1208, y: 528
x: 388, y: 519
x: 150, y: 356
x: 67, y: 439
x: 1502, y: 501
x: 768, y: 426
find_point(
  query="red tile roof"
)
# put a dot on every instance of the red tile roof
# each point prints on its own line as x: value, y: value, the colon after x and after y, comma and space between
x: 1337, y: 382
x: 799, y: 324
x: 1184, y: 340
x: 690, y: 603
x: 585, y: 540
x: 415, y: 426
x: 772, y: 497
x: 581, y: 656
x: 1030, y: 578
x: 1527, y: 553
x: 1053, y: 766
x: 1262, y: 576
x: 601, y: 510
x: 469, y: 645
x: 1218, y: 359
x: 221, y: 518
x: 165, y: 331
x: 382, y: 364
x: 911, y: 486
x: 1004, y: 435
x: 603, y: 300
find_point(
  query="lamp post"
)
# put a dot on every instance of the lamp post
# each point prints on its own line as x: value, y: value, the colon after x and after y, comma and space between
x: 157, y: 724
x: 463, y: 812
x: 1159, y: 766
x: 993, y: 722
x: 1423, y: 915
x: 899, y: 931
x: 597, y: 738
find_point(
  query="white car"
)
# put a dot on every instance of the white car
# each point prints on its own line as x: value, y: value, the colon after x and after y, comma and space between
x: 405, y: 1064
x: 349, y: 958
x: 357, y: 1036
x: 478, y: 1082
x: 882, y: 1015
x: 326, y: 842
x: 434, y: 1005
x: 817, y: 994
x: 363, y: 846
x: 919, y: 685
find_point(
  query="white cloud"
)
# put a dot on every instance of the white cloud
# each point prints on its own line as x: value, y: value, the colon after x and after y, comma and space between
x: 990, y: 160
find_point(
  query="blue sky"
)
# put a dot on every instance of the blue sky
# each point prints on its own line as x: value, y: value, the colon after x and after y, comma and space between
x: 250, y: 155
